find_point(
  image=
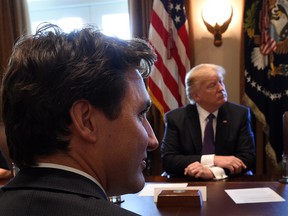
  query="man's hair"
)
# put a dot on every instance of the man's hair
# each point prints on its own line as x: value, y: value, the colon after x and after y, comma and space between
x: 195, y: 77
x: 50, y: 70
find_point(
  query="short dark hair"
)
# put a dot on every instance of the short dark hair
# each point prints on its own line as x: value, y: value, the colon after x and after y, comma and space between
x: 50, y: 70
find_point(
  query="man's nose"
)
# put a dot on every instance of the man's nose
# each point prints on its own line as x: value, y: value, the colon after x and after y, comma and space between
x: 221, y: 86
x: 152, y: 140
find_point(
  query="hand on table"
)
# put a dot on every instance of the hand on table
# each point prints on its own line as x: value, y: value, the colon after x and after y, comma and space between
x: 197, y: 170
x: 234, y: 164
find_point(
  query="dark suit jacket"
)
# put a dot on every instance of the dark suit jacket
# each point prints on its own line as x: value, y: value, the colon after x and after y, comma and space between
x: 182, y: 141
x: 46, y: 191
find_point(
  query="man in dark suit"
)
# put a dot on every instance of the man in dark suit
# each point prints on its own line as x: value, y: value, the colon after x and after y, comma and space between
x: 74, y: 109
x: 183, y: 148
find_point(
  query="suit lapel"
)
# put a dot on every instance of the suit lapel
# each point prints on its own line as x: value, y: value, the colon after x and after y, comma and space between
x: 57, y: 180
x: 222, y: 127
x: 194, y: 127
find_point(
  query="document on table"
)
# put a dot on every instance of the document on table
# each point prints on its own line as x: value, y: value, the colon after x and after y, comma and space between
x: 254, y: 195
x: 149, y: 188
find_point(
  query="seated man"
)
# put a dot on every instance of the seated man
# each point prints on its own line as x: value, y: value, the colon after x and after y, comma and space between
x: 184, y: 148
x: 74, y: 109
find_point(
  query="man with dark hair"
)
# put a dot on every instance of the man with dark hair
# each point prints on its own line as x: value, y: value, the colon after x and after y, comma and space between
x: 74, y: 109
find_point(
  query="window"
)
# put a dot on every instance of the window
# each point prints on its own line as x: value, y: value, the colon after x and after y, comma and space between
x: 109, y: 15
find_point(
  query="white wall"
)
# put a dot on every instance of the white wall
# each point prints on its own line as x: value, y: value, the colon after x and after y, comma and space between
x: 227, y: 55
x: 71, y: 14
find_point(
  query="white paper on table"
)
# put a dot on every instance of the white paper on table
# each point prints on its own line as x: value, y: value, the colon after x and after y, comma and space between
x: 149, y: 188
x: 254, y: 195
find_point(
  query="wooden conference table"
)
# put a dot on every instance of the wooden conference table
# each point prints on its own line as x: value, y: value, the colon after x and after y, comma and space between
x: 218, y: 202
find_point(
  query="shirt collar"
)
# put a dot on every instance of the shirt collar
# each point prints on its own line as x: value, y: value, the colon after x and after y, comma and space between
x: 70, y: 169
x: 204, y: 113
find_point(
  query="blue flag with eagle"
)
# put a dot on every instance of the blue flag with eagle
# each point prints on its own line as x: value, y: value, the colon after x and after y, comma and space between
x: 266, y: 67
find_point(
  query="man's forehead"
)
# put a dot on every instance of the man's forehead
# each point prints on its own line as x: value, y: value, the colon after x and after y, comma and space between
x: 211, y: 78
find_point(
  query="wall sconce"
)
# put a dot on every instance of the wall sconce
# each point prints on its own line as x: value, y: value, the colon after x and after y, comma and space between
x: 217, y: 15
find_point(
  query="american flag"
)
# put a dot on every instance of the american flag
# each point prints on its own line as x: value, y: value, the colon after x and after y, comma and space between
x: 168, y: 34
x: 268, y: 44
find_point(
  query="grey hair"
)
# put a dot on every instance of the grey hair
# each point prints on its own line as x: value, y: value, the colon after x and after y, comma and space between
x: 195, y: 77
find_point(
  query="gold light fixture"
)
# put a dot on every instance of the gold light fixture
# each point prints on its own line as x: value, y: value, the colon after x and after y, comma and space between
x: 217, y: 15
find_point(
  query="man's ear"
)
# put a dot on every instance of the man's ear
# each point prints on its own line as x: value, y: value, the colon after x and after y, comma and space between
x: 195, y: 97
x: 81, y: 115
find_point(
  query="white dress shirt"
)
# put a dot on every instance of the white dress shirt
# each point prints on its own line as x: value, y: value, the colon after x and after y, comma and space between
x: 208, y: 160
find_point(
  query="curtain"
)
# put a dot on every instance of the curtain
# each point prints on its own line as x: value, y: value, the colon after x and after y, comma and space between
x: 14, y: 21
x: 140, y: 13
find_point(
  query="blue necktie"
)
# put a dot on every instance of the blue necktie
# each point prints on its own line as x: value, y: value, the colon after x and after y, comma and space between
x: 208, y: 142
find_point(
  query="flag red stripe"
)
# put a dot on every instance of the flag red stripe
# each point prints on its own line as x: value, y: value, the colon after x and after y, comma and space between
x: 158, y: 26
x: 181, y: 68
x: 168, y: 79
x: 172, y: 70
x: 182, y: 32
x: 157, y: 94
